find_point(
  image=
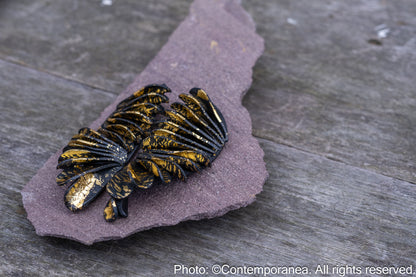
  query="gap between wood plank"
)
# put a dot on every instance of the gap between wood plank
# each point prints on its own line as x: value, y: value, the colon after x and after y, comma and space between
x: 334, y: 159
x: 54, y: 74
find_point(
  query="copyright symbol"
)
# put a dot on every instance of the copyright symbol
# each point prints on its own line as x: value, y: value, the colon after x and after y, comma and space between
x: 216, y: 269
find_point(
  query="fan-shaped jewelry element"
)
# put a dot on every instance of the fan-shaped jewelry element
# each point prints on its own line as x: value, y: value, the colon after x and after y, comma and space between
x: 192, y: 136
x: 189, y: 139
x: 126, y: 155
x: 93, y: 160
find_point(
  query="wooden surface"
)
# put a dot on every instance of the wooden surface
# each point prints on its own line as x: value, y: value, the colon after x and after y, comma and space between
x: 334, y: 113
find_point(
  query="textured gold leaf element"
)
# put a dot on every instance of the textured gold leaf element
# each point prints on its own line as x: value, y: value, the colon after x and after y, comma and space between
x: 114, y: 209
x: 152, y: 167
x: 212, y: 110
x: 141, y: 176
x: 86, y: 189
x: 121, y: 185
x: 110, y: 211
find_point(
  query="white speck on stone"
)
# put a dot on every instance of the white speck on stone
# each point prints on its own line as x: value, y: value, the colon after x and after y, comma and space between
x: 106, y: 2
x: 292, y: 21
x: 383, y: 33
x: 382, y: 30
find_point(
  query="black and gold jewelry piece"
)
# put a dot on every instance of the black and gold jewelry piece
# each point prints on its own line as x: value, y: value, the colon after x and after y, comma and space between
x: 133, y: 148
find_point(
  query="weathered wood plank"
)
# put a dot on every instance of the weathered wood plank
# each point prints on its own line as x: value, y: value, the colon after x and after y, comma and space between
x: 40, y: 112
x: 308, y: 214
x: 321, y: 87
x: 103, y: 46
x: 355, y: 99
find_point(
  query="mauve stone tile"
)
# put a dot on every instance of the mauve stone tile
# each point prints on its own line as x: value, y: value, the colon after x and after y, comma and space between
x: 214, y: 48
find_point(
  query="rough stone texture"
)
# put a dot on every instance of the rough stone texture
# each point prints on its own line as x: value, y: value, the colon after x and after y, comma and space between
x: 215, y: 48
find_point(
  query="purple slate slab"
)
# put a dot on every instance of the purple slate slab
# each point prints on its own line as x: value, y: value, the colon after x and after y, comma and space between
x: 214, y: 48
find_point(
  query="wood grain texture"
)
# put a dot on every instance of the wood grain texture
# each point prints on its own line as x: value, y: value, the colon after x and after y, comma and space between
x: 335, y: 113
x: 39, y: 111
x: 325, y: 89
x: 86, y: 41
